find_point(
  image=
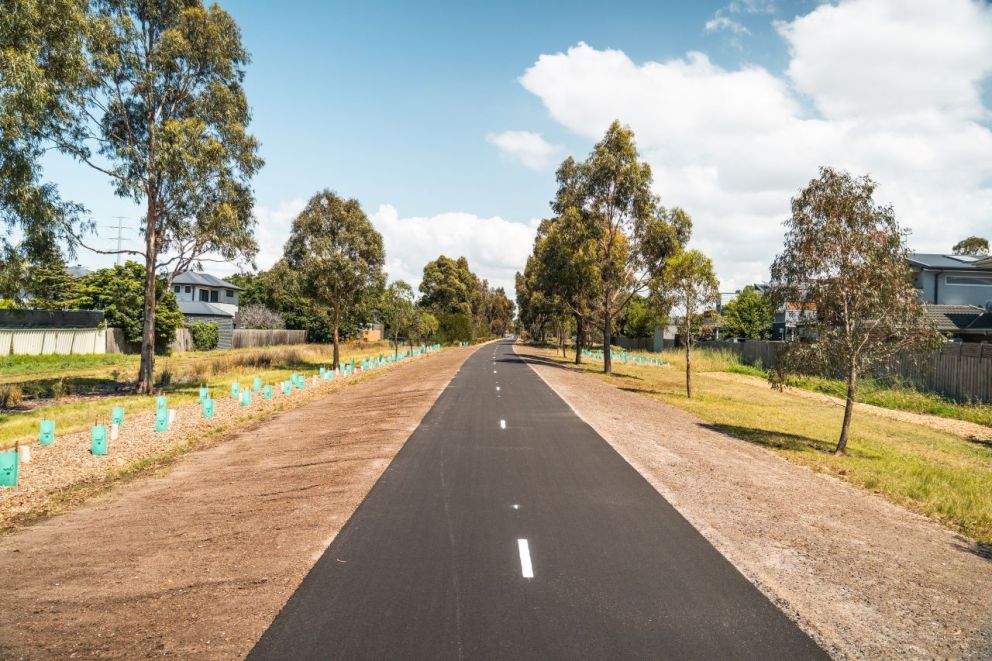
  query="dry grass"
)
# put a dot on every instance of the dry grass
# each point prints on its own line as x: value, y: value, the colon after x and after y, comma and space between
x: 939, y: 474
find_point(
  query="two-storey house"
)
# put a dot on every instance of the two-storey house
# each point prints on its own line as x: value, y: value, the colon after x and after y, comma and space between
x: 204, y: 297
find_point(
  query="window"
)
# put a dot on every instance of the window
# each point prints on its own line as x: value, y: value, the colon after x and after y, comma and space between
x: 204, y: 295
x: 189, y: 288
x: 213, y: 295
x: 969, y: 280
x: 175, y: 288
x: 229, y: 293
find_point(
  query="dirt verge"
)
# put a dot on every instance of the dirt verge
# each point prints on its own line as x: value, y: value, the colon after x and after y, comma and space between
x: 866, y: 578
x: 196, y: 563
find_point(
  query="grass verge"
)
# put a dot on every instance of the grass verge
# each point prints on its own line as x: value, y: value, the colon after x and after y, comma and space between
x: 941, y: 475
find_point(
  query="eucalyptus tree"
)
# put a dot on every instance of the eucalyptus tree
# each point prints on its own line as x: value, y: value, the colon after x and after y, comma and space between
x: 688, y: 286
x: 846, y: 259
x: 630, y: 233
x: 149, y: 94
x: 42, y: 69
x: 973, y: 245
x: 398, y: 311
x: 749, y: 315
x: 565, y: 272
x: 338, y: 257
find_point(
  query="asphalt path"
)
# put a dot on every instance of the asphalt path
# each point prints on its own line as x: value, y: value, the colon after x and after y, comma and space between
x: 507, y: 528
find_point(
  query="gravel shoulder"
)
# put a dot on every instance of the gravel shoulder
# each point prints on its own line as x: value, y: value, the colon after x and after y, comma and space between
x: 197, y: 562
x: 866, y: 578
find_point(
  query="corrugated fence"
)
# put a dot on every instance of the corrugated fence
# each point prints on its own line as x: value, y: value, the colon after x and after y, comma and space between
x: 34, y: 342
x: 958, y: 371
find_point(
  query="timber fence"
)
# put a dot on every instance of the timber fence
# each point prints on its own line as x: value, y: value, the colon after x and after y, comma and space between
x: 960, y: 371
x: 245, y: 337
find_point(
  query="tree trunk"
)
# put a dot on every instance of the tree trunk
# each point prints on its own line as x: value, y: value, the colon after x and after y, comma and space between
x: 852, y: 387
x: 337, y: 349
x: 607, y: 340
x: 396, y: 343
x: 688, y: 367
x: 146, y: 371
x: 578, y: 340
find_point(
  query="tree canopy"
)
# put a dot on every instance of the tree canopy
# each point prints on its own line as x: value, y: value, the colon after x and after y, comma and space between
x: 620, y: 226
x: 149, y: 95
x: 749, y: 315
x: 688, y: 286
x: 338, y: 256
x: 973, y: 245
x: 845, y: 257
x: 119, y: 292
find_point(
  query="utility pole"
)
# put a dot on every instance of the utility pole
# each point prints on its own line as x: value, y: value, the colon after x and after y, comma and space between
x: 120, y: 234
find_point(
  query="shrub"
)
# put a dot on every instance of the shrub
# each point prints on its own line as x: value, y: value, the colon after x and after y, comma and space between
x: 10, y: 396
x: 454, y: 327
x: 258, y: 317
x: 205, y: 334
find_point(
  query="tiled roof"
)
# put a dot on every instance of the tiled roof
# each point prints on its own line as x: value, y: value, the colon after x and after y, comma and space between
x: 202, y: 279
x: 954, y: 318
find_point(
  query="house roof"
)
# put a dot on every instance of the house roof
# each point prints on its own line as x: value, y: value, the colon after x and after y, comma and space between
x: 958, y: 262
x: 203, y: 279
x: 198, y: 308
x: 957, y: 318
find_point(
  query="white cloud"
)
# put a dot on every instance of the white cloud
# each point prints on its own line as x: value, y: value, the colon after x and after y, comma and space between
x: 529, y: 148
x: 719, y: 22
x: 733, y: 145
x: 495, y: 248
x: 892, y: 57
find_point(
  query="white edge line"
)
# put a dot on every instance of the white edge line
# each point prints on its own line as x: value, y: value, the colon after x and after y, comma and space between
x: 525, y: 566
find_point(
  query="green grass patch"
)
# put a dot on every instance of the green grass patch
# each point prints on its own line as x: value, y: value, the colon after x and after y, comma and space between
x: 939, y: 474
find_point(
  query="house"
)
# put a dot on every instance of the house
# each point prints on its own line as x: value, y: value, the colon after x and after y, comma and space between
x: 372, y: 333
x: 957, y: 290
x: 204, y: 297
x: 953, y: 279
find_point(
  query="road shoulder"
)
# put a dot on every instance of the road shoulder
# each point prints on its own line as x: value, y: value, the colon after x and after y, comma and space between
x: 864, y: 577
x: 199, y: 561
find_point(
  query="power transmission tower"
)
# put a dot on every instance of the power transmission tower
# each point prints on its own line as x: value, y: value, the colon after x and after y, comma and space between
x: 120, y: 233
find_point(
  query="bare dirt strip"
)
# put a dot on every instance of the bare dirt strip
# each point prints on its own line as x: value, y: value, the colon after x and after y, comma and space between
x: 866, y: 578
x: 196, y: 563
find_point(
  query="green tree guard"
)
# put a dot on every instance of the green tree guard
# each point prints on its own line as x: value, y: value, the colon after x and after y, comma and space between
x: 46, y: 435
x: 98, y: 438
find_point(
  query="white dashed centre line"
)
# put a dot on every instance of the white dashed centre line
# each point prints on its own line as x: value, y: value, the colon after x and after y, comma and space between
x: 502, y: 424
x: 497, y: 388
x: 525, y: 566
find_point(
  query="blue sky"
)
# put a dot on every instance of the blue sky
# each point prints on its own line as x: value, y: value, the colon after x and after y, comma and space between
x: 405, y: 105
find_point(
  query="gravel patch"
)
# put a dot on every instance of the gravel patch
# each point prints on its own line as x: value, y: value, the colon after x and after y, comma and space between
x: 866, y: 578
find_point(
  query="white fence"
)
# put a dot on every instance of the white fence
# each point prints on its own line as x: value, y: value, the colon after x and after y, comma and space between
x: 31, y: 342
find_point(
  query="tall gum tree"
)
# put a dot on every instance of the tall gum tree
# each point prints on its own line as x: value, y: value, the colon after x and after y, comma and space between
x: 157, y: 105
x: 845, y: 257
x: 338, y: 256
x: 43, y: 67
x: 631, y: 234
